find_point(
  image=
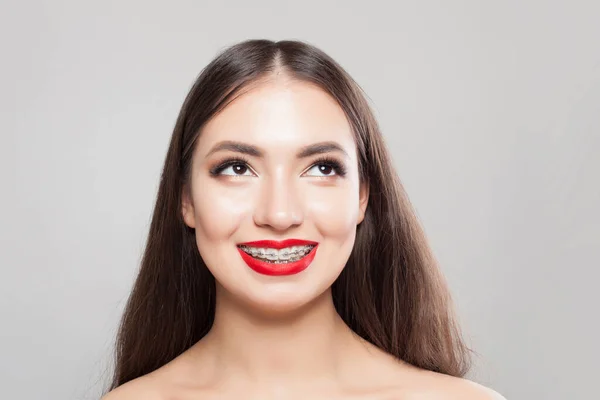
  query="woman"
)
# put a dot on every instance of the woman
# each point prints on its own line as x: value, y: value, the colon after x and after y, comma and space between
x: 284, y: 259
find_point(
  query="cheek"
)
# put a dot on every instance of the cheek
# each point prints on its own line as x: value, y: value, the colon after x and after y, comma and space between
x: 334, y: 211
x: 220, y: 210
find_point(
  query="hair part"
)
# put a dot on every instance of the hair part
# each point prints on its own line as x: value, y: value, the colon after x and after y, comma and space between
x: 391, y: 291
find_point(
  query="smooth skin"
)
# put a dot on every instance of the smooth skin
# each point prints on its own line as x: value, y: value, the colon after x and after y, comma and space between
x: 280, y: 337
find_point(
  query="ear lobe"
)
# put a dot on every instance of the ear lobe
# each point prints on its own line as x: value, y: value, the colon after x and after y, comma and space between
x: 187, y: 209
x: 363, y: 202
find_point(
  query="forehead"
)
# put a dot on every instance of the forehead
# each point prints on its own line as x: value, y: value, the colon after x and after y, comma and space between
x: 280, y: 114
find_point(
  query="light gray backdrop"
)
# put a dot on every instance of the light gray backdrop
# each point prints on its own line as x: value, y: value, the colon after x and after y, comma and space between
x: 491, y: 109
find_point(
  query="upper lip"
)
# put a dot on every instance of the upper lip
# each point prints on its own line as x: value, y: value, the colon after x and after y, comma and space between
x: 279, y: 244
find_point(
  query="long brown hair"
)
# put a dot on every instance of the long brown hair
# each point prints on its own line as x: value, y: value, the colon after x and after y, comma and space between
x: 390, y: 292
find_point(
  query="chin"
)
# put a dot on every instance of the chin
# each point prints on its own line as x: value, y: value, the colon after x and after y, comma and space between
x: 279, y: 299
x: 270, y: 295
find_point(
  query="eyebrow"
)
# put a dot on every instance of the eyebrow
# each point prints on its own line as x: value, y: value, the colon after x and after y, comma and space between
x: 321, y: 148
x: 251, y: 150
x: 236, y: 147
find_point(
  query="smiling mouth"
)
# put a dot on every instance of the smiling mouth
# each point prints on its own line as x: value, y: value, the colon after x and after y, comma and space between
x: 276, y: 258
x: 285, y: 255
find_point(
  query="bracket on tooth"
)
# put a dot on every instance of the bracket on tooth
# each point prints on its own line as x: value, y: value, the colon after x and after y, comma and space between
x: 272, y: 255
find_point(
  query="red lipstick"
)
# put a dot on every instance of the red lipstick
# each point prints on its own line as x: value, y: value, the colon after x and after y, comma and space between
x: 273, y: 269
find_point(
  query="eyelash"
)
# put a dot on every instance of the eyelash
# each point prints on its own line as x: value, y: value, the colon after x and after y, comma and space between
x: 339, y: 168
x: 216, y: 171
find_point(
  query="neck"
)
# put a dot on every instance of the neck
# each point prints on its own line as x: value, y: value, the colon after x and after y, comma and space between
x: 310, y: 346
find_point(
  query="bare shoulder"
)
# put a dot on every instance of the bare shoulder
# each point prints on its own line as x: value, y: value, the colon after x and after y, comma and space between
x: 402, y: 380
x: 142, y: 388
x: 459, y: 388
x: 444, y: 387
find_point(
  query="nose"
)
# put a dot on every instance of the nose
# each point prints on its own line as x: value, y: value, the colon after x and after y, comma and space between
x: 280, y: 205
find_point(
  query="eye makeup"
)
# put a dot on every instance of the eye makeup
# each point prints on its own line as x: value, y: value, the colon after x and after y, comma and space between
x: 324, y: 161
x: 330, y: 162
x: 229, y: 162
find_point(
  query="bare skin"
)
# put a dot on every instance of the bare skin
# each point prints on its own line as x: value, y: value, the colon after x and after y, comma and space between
x: 280, y: 337
x: 314, y: 357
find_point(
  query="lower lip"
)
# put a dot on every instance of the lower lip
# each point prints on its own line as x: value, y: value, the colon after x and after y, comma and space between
x: 273, y: 269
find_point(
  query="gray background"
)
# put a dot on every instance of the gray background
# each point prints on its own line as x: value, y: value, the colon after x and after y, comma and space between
x: 491, y: 110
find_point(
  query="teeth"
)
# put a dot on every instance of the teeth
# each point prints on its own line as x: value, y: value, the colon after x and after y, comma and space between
x: 284, y: 254
x: 272, y: 254
x: 288, y: 254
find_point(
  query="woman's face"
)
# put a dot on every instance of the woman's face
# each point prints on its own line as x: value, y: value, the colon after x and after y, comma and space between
x: 278, y: 163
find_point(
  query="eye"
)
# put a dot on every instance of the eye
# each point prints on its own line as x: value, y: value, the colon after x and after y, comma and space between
x: 321, y: 170
x: 236, y: 169
x: 326, y: 168
x: 232, y: 168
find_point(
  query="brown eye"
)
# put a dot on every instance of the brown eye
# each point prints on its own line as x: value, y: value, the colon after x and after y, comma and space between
x: 232, y: 168
x: 325, y: 169
x: 239, y: 169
